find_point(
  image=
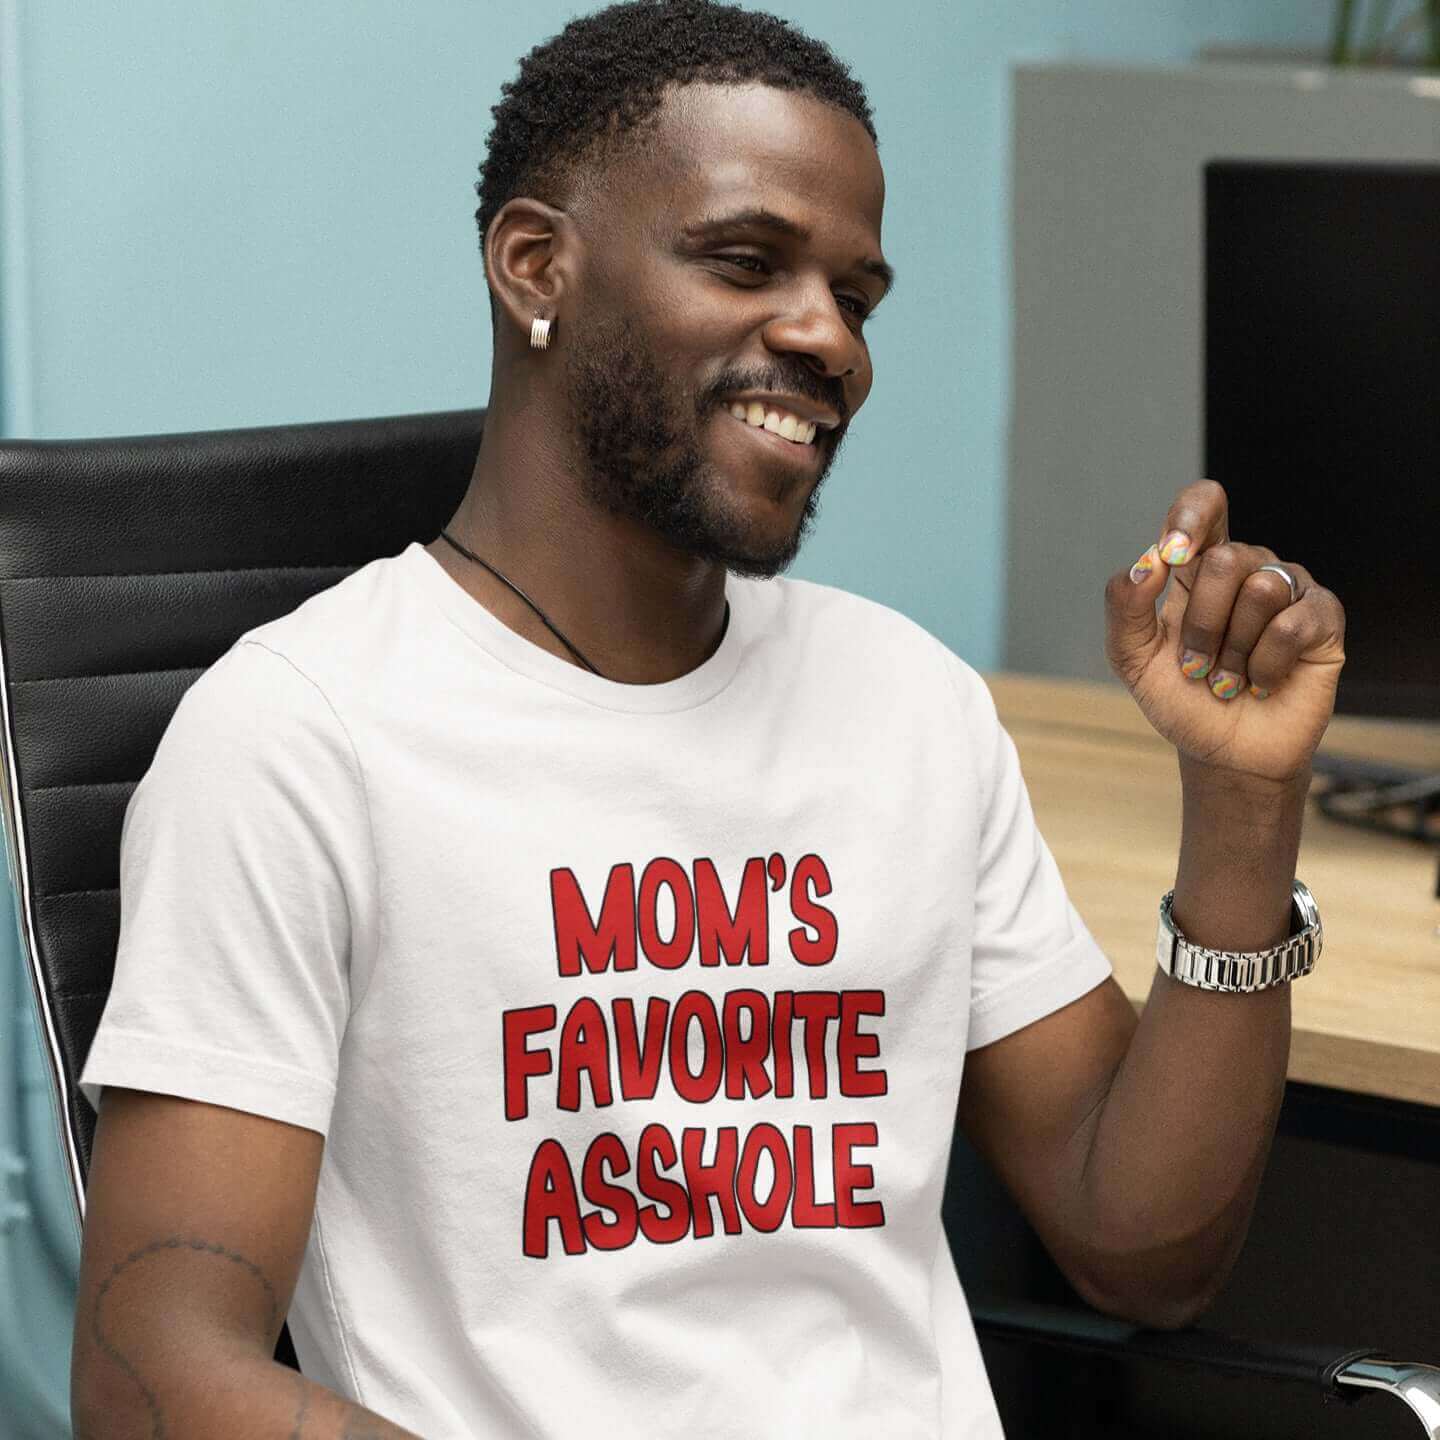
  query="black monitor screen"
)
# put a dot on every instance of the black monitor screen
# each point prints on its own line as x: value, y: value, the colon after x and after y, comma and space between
x: 1322, y: 398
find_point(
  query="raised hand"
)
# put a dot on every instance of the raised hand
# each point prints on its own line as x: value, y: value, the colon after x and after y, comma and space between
x: 1234, y: 672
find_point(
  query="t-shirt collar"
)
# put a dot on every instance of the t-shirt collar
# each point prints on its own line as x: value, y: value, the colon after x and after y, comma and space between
x: 524, y: 656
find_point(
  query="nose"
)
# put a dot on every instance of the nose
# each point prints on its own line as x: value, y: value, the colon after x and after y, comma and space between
x: 817, y: 332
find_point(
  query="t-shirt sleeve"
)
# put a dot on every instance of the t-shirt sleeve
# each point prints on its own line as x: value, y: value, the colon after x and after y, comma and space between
x: 247, y: 897
x: 1032, y: 953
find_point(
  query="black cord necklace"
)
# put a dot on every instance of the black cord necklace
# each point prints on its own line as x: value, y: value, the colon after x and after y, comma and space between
x: 544, y: 618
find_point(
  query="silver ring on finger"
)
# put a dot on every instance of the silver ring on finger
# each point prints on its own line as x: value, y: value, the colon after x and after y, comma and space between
x: 1287, y: 577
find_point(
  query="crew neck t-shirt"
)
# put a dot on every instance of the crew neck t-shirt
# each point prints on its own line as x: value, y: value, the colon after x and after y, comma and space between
x: 634, y: 1016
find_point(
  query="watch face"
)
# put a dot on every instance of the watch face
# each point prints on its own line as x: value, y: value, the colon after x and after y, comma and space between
x: 1305, y: 912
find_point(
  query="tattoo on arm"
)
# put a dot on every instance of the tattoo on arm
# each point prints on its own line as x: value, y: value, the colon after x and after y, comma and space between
x: 158, y: 1429
x: 354, y: 1424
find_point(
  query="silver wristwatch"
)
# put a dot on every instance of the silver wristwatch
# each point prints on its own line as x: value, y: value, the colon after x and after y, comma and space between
x: 1241, y: 970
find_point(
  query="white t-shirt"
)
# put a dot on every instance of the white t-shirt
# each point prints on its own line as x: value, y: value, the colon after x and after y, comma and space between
x: 633, y: 1015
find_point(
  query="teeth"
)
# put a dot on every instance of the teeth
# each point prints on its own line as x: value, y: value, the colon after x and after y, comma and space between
x: 778, y: 422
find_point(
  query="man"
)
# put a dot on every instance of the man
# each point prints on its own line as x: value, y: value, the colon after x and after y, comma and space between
x: 551, y: 958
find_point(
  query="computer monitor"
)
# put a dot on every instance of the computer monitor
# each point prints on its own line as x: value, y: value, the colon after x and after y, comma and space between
x: 1322, y: 397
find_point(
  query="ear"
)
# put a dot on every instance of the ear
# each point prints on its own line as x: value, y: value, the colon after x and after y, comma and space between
x: 529, y: 260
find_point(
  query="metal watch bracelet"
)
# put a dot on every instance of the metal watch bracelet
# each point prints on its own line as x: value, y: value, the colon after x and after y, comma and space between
x: 1243, y: 971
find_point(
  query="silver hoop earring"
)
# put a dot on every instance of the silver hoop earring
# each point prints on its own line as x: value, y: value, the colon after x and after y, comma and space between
x: 540, y: 334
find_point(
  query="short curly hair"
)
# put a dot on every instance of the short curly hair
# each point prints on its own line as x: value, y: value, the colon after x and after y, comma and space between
x: 583, y: 93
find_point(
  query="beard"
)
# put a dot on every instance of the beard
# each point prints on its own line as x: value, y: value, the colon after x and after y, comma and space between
x: 639, y: 442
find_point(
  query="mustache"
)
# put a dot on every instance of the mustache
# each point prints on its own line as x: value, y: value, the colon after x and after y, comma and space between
x: 802, y: 385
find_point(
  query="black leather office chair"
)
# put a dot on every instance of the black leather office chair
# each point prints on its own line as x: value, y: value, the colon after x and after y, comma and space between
x: 129, y: 566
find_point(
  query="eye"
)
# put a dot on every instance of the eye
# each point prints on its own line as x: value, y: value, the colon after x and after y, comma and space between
x: 861, y: 308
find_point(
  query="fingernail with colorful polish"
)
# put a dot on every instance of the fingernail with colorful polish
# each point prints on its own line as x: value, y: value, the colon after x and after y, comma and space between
x: 1224, y: 685
x: 1144, y: 565
x: 1175, y: 548
x: 1258, y: 693
x: 1194, y: 665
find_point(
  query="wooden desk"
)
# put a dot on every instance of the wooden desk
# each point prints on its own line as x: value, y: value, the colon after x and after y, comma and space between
x: 1107, y: 797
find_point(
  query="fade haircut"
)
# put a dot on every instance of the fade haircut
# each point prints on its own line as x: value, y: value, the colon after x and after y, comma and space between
x: 585, y: 94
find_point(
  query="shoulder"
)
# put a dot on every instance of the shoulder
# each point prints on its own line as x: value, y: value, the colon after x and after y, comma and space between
x: 334, y: 632
x: 863, y: 638
x: 277, y: 687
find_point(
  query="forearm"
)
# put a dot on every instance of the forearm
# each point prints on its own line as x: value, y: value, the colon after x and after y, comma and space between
x: 223, y: 1396
x: 1179, y: 1144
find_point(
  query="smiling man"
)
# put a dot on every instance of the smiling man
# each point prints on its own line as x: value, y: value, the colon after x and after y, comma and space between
x: 680, y: 425
x: 552, y: 959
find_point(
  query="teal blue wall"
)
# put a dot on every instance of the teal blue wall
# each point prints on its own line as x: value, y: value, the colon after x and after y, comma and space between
x: 237, y: 214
